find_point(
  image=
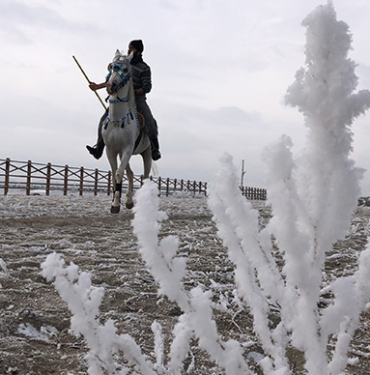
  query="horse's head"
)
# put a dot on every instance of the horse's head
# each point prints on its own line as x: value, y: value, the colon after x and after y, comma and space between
x: 119, y: 72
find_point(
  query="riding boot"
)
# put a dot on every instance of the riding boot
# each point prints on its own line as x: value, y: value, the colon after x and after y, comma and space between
x: 155, y: 148
x: 97, y: 150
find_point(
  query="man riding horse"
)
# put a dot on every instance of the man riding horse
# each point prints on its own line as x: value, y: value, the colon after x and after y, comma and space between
x: 142, y: 81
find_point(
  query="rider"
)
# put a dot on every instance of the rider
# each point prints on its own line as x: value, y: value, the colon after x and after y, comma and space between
x: 141, y: 76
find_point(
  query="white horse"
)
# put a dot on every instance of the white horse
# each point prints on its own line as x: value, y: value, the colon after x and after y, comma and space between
x: 121, y: 131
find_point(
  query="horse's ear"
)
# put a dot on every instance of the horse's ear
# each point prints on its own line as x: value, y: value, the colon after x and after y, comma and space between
x: 130, y: 56
x: 118, y: 52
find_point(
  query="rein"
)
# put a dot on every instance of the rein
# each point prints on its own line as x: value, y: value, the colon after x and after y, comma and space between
x: 129, y: 116
x: 125, y: 79
x: 119, y: 100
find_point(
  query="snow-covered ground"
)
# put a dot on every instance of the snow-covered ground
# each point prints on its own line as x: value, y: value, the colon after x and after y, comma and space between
x: 35, y: 322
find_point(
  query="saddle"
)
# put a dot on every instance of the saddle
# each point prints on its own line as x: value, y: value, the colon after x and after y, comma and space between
x: 141, y: 120
x: 142, y: 128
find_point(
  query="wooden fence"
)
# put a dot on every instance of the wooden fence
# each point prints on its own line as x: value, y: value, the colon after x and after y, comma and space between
x: 252, y: 193
x: 33, y: 177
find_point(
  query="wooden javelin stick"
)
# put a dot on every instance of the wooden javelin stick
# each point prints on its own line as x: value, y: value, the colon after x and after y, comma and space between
x: 97, y: 95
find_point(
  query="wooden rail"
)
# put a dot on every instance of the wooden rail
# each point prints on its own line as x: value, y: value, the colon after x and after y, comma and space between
x: 252, y: 193
x: 32, y: 177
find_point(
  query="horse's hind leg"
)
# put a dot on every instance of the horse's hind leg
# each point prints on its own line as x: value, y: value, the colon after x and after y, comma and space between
x: 130, y: 189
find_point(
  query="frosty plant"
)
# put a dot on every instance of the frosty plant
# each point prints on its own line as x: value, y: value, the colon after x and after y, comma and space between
x: 312, y: 197
x: 161, y: 259
x: 83, y: 300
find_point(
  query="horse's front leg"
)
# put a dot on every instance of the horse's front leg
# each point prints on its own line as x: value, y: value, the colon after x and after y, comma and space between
x: 125, y: 157
x: 117, y: 184
x: 116, y: 203
x: 130, y: 188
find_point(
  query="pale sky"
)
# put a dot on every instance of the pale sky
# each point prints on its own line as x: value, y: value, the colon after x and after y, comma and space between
x: 220, y: 70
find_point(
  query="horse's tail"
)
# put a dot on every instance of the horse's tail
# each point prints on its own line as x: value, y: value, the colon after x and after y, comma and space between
x: 154, y: 169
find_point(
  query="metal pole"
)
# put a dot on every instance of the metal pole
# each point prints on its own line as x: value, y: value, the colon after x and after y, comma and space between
x: 242, y: 176
x: 97, y: 95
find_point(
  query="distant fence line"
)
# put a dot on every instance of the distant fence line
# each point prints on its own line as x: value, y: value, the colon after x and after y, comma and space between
x: 31, y: 176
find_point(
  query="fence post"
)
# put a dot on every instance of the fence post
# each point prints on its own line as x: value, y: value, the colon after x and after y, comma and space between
x: 48, y: 174
x: 142, y: 180
x: 194, y: 187
x: 167, y: 187
x: 109, y: 181
x: 205, y: 188
x: 7, y: 176
x: 159, y: 185
x: 81, y: 180
x: 182, y: 185
x: 174, y: 184
x: 200, y: 187
x: 29, y: 170
x: 96, y: 182
x: 65, y: 187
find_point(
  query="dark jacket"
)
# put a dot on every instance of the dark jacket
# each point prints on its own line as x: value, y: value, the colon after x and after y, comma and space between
x: 141, y: 74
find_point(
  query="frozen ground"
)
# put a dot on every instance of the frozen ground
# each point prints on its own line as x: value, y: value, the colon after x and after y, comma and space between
x: 34, y: 321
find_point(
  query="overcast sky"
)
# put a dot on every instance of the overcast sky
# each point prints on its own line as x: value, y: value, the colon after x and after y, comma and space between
x: 220, y: 70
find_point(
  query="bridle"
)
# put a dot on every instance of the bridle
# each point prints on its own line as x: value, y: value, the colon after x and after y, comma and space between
x: 118, y: 67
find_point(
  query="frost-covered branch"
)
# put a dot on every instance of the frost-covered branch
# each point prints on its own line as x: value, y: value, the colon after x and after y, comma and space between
x: 84, y: 300
x: 326, y: 178
x: 256, y: 273
x: 312, y: 199
x: 160, y: 257
x: 169, y: 270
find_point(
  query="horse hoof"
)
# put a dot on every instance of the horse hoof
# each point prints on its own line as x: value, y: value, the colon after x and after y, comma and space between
x: 114, y: 209
x: 129, y: 205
